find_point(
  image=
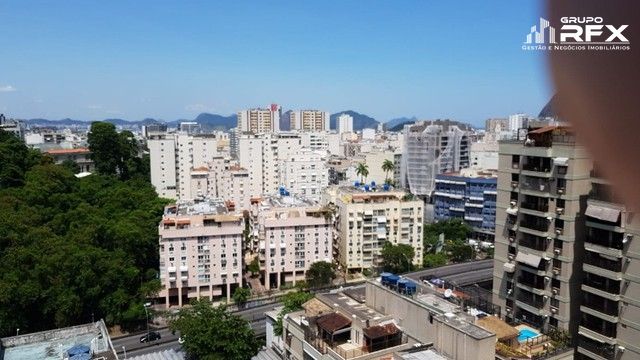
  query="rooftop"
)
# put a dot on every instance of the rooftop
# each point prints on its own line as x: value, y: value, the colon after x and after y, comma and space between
x: 54, y: 344
x: 208, y: 206
x: 285, y: 201
x: 68, y: 151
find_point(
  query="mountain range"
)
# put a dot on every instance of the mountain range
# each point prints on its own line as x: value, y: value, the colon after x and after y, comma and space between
x: 207, y: 121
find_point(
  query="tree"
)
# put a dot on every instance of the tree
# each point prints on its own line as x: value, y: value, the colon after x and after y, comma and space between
x: 397, y: 258
x: 362, y: 170
x: 71, y: 166
x: 459, y: 251
x: 453, y: 229
x: 254, y: 266
x: 320, y: 273
x: 116, y: 154
x: 15, y: 159
x: 291, y: 302
x: 241, y: 295
x: 213, y: 333
x: 387, y: 166
x: 434, y: 260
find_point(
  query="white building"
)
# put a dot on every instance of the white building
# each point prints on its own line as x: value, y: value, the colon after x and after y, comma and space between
x: 344, y: 123
x: 225, y: 180
x: 368, y: 134
x: 309, y: 120
x: 260, y: 121
x: 484, y: 155
x: 306, y: 174
x: 430, y: 150
x: 200, y: 252
x: 374, y: 161
x: 293, y: 233
x: 173, y: 156
x: 262, y: 156
x: 368, y: 219
x: 15, y: 127
x: 517, y: 121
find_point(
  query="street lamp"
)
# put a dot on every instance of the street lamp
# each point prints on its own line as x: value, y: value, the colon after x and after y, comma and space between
x: 125, y: 352
x: 17, y: 331
x: 146, y: 305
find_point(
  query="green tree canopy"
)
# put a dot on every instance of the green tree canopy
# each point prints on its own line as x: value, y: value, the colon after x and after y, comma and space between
x: 453, y: 229
x: 241, y: 295
x: 397, y: 258
x: 434, y: 260
x: 15, y: 159
x: 387, y: 166
x: 116, y: 153
x: 362, y: 170
x: 320, y: 273
x: 72, y: 248
x: 213, y: 333
x: 291, y: 301
x: 254, y: 266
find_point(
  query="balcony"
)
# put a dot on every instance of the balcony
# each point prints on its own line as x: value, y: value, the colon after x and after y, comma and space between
x: 535, y: 301
x: 595, y: 347
x: 602, y: 329
x: 534, y: 242
x: 541, y: 226
x: 595, y: 259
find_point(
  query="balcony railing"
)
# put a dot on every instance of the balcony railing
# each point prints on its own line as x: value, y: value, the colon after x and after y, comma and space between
x: 534, y: 301
x: 596, y: 260
x: 535, y: 225
x: 530, y: 282
x: 606, y: 351
x: 535, y: 206
x: 615, y: 243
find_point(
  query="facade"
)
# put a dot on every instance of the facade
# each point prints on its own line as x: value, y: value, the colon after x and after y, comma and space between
x: 374, y: 161
x: 15, y: 127
x: 344, y: 123
x: 518, y: 121
x: 543, y: 182
x: 200, y: 252
x: 222, y: 179
x: 258, y: 121
x: 80, y: 156
x: 306, y: 174
x: 430, y: 150
x: 174, y: 156
x: 484, y: 155
x: 262, y: 156
x: 368, y: 218
x: 293, y: 233
x: 309, y: 120
x: 470, y: 197
x: 190, y: 127
x: 611, y: 278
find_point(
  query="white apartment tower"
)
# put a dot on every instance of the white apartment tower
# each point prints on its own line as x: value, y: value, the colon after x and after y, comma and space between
x: 260, y: 121
x: 344, y: 123
x: 306, y: 174
x: 309, y: 120
x: 173, y: 157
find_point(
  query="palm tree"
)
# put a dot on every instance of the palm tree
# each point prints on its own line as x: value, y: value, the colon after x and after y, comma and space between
x: 363, y: 171
x: 387, y: 166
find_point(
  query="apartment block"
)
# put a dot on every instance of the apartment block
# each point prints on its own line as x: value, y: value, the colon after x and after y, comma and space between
x: 13, y: 126
x: 262, y: 156
x: 293, y: 233
x: 306, y: 174
x: 344, y: 124
x: 609, y: 326
x: 258, y: 121
x: 429, y: 150
x: 201, y: 252
x: 174, y: 156
x: 224, y: 179
x: 368, y: 217
x: 543, y: 183
x: 309, y: 120
x: 471, y: 197
x: 80, y: 156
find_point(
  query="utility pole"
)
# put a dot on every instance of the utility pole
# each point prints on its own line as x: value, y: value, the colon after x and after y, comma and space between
x: 146, y: 305
x: 125, y: 352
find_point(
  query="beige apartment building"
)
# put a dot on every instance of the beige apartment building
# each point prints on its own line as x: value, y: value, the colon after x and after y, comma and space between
x: 200, y: 248
x: 367, y: 218
x: 293, y: 233
x: 543, y: 182
x: 258, y: 121
x: 222, y: 179
x: 309, y: 120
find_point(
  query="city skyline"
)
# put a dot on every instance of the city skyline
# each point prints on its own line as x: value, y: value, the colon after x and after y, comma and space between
x: 173, y: 62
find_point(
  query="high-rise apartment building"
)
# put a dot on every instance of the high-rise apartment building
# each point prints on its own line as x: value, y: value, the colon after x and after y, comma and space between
x: 293, y: 233
x: 306, y: 174
x: 430, y: 150
x: 609, y: 306
x: 368, y: 218
x: 543, y: 183
x: 258, y: 121
x: 262, y: 155
x: 309, y: 120
x: 471, y: 197
x: 344, y: 123
x: 518, y: 121
x: 225, y: 180
x: 173, y: 156
x: 15, y: 127
x: 200, y: 252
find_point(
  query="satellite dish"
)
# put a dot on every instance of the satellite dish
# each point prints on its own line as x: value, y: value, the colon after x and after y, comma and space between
x: 448, y: 293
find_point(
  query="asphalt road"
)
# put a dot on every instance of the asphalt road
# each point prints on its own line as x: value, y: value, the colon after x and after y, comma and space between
x: 463, y: 273
x: 133, y: 347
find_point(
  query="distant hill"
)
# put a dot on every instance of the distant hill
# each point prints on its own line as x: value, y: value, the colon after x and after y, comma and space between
x: 549, y: 110
x: 206, y: 121
x: 444, y: 122
x: 395, y: 122
x: 360, y: 121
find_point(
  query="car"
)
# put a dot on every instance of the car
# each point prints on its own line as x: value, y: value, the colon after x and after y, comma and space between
x: 151, y: 336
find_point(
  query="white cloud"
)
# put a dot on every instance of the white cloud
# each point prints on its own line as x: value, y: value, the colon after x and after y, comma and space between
x: 94, y: 107
x: 7, y: 88
x: 199, y: 108
x: 114, y: 112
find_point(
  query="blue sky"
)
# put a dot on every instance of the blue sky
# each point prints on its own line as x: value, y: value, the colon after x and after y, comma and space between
x: 174, y: 59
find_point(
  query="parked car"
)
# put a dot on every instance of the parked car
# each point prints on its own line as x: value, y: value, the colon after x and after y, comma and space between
x: 151, y: 336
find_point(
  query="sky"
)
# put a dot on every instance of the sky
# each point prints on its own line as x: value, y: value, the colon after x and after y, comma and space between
x: 92, y: 60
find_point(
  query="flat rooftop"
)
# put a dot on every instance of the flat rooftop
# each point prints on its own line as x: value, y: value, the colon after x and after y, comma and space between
x: 208, y: 206
x: 340, y: 300
x: 281, y: 201
x: 53, y: 344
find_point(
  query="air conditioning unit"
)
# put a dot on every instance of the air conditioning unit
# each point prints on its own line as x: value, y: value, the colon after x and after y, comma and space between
x: 512, y: 239
x: 510, y: 291
x: 508, y: 310
x: 511, y: 257
x: 549, y: 238
x: 557, y: 251
x: 560, y: 211
x: 546, y: 278
x: 545, y: 297
x: 555, y: 291
x: 554, y: 310
x: 559, y: 231
x: 513, y: 203
x: 556, y: 272
x: 560, y: 191
x: 627, y: 238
